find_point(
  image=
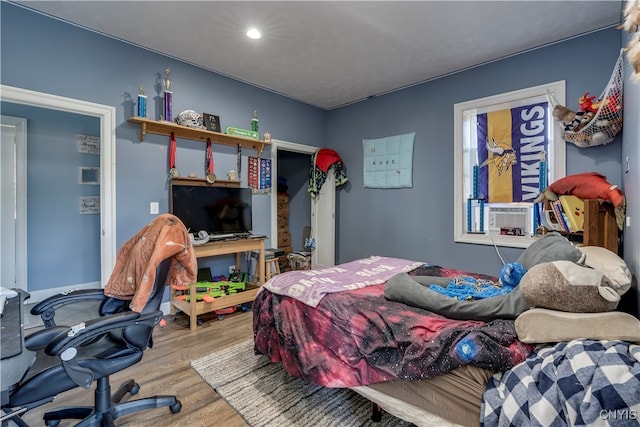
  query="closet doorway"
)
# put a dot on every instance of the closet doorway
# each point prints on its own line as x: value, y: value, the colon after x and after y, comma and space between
x: 291, y: 161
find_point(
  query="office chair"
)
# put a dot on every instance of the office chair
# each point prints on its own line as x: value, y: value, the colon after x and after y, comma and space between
x: 164, y: 237
x: 74, y: 356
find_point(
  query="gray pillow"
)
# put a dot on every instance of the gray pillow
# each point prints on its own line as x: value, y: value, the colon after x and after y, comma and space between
x: 550, y: 247
x: 567, y: 286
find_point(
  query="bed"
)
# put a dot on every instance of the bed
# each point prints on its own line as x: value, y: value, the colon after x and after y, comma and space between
x: 342, y: 327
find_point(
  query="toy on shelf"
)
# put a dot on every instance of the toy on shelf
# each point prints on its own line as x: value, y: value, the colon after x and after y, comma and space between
x: 207, y: 291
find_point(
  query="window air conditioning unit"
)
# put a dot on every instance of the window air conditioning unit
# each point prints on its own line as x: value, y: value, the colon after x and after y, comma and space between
x: 510, y: 219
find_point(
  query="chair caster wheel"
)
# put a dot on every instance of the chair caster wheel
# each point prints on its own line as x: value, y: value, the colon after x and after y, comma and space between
x: 175, y: 408
x: 135, y: 389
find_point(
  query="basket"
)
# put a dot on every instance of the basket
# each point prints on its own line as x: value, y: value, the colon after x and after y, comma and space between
x: 607, y: 120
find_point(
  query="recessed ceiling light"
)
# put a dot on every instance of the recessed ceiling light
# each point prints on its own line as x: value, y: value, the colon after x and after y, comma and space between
x: 253, y: 33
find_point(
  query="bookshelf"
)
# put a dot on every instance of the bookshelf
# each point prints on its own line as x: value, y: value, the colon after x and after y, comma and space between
x: 600, y: 227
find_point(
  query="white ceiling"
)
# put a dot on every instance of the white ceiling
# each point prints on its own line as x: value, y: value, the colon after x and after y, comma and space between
x: 333, y: 53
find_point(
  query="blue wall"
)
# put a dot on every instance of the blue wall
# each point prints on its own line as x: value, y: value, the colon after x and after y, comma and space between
x: 414, y: 223
x: 417, y: 223
x: 47, y: 55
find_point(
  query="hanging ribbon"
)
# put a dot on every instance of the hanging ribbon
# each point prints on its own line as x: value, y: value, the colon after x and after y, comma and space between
x: 211, y: 177
x: 173, y: 171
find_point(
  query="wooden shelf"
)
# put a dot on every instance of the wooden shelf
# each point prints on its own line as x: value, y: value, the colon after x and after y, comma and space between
x: 600, y: 227
x: 193, y: 308
x: 165, y: 128
x: 202, y: 182
x: 202, y: 307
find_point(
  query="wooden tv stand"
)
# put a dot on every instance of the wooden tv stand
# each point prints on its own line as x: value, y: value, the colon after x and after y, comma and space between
x: 193, y: 308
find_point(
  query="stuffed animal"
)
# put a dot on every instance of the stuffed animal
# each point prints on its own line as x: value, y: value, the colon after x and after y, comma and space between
x: 631, y: 24
x: 586, y: 103
x: 563, y: 114
x: 583, y: 118
x: 588, y: 185
x: 631, y: 14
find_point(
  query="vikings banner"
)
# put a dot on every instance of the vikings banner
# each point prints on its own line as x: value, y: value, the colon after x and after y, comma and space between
x: 511, y: 144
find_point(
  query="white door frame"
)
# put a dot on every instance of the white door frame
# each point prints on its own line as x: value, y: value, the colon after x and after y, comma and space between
x: 106, y: 114
x: 276, y: 145
x: 17, y: 164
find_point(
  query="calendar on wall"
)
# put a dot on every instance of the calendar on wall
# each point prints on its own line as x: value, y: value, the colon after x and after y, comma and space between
x: 259, y: 175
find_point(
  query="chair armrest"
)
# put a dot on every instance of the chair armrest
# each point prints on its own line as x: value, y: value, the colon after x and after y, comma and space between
x: 77, y: 335
x: 46, y: 309
x: 40, y: 339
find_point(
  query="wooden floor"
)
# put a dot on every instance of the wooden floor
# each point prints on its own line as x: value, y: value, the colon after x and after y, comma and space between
x: 165, y: 369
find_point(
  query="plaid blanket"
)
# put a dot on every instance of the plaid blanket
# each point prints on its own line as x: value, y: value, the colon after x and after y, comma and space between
x: 577, y: 383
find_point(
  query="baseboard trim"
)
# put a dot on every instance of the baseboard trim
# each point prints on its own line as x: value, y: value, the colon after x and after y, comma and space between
x: 165, y: 307
x: 37, y: 296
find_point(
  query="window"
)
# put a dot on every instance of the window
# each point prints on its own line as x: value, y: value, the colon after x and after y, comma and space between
x: 500, y: 144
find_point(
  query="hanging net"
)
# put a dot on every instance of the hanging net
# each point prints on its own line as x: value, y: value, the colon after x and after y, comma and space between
x: 590, y: 128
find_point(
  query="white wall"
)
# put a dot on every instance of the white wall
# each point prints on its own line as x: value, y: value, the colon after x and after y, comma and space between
x: 631, y: 166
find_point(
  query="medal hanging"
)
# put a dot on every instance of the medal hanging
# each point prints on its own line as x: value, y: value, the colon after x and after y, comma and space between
x: 211, y: 177
x: 173, y: 171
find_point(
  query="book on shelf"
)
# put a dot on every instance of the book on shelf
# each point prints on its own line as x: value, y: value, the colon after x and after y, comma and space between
x: 573, y: 208
x: 549, y: 221
x: 557, y: 209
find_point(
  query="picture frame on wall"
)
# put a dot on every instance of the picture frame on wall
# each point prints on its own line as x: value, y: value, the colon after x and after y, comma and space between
x: 211, y: 122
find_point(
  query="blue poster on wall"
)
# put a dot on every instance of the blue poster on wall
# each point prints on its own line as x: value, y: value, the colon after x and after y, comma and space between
x: 388, y: 161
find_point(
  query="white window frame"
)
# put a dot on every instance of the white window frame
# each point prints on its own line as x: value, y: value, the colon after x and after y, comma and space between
x: 556, y: 158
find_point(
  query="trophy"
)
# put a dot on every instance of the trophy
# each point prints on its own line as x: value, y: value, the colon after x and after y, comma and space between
x: 475, y: 207
x: 142, y: 103
x: 254, y: 122
x: 166, y: 83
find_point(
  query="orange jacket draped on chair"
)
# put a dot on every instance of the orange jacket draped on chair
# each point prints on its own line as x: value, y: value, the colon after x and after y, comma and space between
x: 134, y: 273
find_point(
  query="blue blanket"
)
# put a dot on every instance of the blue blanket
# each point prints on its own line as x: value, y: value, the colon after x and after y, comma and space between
x: 577, y: 383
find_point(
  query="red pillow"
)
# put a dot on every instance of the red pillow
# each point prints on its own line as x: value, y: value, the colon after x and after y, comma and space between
x: 588, y: 185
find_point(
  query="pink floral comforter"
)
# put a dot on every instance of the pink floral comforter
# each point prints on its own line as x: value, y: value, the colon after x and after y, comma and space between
x: 358, y: 337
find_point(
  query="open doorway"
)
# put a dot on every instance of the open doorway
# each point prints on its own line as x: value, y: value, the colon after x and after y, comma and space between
x: 291, y: 162
x: 104, y: 117
x: 294, y: 202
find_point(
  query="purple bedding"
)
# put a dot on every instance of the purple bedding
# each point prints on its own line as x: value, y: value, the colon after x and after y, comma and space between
x: 357, y: 337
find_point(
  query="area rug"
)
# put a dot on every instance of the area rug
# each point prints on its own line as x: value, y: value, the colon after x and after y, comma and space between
x: 265, y: 395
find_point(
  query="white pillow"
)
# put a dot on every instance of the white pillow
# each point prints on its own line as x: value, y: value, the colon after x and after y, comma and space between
x: 539, y: 325
x: 610, y: 264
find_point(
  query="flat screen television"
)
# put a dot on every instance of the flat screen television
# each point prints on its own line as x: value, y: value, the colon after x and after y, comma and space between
x: 216, y: 210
